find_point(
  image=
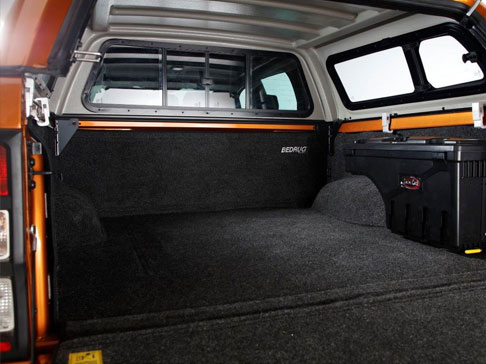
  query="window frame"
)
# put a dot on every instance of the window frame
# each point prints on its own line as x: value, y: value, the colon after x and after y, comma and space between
x: 410, y: 43
x: 165, y: 47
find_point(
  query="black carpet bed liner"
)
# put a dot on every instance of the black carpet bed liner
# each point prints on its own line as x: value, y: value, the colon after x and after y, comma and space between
x: 275, y: 285
x: 277, y: 282
x: 437, y: 326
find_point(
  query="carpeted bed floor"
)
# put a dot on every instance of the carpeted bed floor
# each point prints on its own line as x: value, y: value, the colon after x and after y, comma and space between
x: 433, y: 326
x: 291, y: 285
x: 169, y: 262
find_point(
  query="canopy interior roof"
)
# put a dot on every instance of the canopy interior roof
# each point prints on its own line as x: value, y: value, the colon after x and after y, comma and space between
x: 303, y: 23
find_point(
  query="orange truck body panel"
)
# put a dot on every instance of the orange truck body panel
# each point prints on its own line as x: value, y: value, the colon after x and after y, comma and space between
x: 481, y: 8
x: 32, y: 26
x: 11, y: 102
x: 38, y: 218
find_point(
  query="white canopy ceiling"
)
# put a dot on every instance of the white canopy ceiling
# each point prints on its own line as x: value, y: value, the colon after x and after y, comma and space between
x: 303, y: 23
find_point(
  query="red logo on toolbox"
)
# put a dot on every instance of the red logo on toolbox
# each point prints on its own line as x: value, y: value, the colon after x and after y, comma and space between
x: 410, y: 183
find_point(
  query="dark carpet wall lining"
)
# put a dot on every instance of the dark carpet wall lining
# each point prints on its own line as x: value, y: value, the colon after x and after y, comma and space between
x: 129, y: 173
x: 77, y: 221
x: 353, y: 199
x: 140, y: 173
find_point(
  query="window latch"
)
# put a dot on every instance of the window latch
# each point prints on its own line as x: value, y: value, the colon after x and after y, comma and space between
x: 207, y: 81
x: 85, y: 56
x: 470, y: 57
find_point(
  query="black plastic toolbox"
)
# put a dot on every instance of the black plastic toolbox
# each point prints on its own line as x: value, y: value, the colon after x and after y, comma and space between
x: 434, y: 189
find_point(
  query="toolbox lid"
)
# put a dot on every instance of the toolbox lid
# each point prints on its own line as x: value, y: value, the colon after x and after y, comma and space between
x: 420, y: 147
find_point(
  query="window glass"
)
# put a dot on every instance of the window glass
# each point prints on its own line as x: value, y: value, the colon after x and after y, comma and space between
x: 443, y: 64
x: 243, y: 99
x: 376, y: 75
x: 180, y: 77
x: 281, y: 86
x: 185, y: 79
x: 277, y: 84
x: 129, y: 76
x: 227, y: 80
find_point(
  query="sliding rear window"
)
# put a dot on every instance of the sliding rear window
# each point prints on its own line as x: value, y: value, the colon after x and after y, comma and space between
x: 434, y: 63
x: 147, y: 76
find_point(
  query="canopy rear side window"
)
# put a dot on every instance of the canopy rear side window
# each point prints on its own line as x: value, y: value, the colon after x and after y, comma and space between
x: 440, y: 62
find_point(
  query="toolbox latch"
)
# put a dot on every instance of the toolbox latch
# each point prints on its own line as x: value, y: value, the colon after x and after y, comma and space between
x: 386, y: 123
x: 478, y: 115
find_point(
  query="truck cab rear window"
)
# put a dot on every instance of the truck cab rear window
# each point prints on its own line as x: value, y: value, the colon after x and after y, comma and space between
x: 161, y: 77
x: 129, y: 76
x: 185, y: 79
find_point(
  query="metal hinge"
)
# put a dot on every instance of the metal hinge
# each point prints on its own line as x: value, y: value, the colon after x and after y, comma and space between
x: 93, y: 57
x: 41, y: 87
x: 478, y: 115
x: 37, y: 108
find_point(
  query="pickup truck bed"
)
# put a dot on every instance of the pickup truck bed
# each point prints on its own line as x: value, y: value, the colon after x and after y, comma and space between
x: 282, y: 276
x: 440, y: 325
x: 267, y: 285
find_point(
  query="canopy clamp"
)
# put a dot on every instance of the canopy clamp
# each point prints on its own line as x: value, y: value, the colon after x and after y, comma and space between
x: 36, y: 108
x: 386, y: 123
x: 478, y: 115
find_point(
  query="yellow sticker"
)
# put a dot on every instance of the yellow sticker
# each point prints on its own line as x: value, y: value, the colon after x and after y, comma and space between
x: 86, y: 357
x: 473, y: 251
